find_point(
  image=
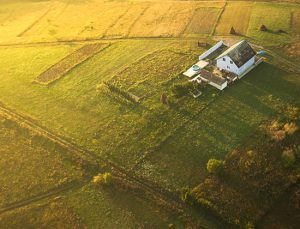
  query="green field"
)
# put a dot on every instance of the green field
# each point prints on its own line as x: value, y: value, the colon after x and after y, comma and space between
x: 101, y: 77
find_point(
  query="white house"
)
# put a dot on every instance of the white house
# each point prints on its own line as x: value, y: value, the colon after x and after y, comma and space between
x: 237, y: 59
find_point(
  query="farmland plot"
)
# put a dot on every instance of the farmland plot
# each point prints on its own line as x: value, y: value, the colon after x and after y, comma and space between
x: 236, y: 15
x: 19, y: 18
x: 203, y: 21
x: 64, y: 22
x: 144, y: 77
x: 221, y: 127
x: 26, y: 167
x: 296, y: 22
x: 122, y: 27
x: 69, y: 62
x: 274, y: 17
x: 164, y: 19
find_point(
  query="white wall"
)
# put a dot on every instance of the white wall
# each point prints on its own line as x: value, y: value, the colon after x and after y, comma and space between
x: 247, y: 65
x: 231, y: 67
x: 226, y: 65
x: 224, y: 85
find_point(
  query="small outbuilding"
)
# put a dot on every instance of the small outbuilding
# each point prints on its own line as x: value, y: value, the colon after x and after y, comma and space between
x: 213, y: 80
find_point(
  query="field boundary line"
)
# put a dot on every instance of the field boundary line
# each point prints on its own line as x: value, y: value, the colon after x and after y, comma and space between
x: 34, y: 23
x: 219, y: 18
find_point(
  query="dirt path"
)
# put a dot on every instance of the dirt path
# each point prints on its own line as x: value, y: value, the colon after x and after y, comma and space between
x: 167, y: 199
x: 51, y: 193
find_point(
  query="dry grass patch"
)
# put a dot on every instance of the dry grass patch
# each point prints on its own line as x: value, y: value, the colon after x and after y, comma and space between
x: 203, y: 21
x: 29, y: 165
x: 236, y: 15
x: 59, y: 69
x: 123, y: 26
x: 166, y: 19
x: 94, y: 22
x: 19, y: 17
x: 296, y: 22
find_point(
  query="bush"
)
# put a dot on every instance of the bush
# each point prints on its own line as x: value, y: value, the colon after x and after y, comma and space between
x: 104, y: 179
x: 186, y: 196
x: 288, y: 157
x: 290, y: 128
x: 180, y: 90
x: 215, y: 166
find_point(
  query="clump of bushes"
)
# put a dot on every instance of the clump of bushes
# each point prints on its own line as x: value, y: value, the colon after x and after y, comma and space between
x: 186, y: 196
x: 288, y: 157
x: 290, y: 128
x: 215, y: 166
x: 279, y: 131
x: 104, y: 179
x: 180, y: 90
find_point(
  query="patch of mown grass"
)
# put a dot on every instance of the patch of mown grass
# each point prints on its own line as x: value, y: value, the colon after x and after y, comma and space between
x: 236, y: 15
x: 203, y: 22
x: 275, y: 17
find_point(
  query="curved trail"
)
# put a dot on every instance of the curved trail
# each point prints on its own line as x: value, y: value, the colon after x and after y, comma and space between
x: 146, y: 188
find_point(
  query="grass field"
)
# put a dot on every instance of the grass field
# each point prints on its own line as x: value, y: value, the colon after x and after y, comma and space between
x: 236, y: 15
x: 199, y: 23
x: 59, y: 20
x: 69, y: 62
x: 274, y: 17
x: 114, y: 62
x: 28, y: 168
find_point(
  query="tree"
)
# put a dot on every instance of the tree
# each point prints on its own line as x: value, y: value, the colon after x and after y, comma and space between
x: 215, y: 166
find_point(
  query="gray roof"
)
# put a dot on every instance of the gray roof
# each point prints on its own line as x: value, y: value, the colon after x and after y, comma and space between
x: 240, y: 53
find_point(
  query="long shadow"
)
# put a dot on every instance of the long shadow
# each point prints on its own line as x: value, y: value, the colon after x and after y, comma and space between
x: 272, y: 80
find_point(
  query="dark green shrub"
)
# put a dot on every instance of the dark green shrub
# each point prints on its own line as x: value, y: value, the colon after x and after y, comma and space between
x: 180, y: 90
x: 288, y: 157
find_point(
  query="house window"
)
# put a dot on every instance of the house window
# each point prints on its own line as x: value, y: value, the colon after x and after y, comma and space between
x: 223, y: 59
x: 231, y: 62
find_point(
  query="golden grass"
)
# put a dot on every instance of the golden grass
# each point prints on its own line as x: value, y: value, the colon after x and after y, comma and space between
x: 123, y: 26
x: 17, y: 18
x: 296, y: 22
x: 237, y: 15
x: 203, y: 21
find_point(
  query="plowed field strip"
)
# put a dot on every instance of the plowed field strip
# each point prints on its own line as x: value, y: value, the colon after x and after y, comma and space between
x: 59, y: 69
